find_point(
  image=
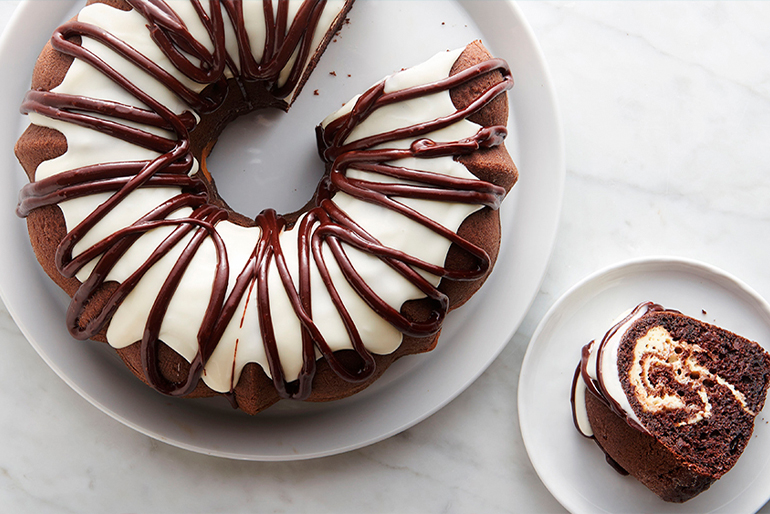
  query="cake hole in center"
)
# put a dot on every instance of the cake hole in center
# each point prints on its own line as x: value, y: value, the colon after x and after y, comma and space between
x: 266, y: 159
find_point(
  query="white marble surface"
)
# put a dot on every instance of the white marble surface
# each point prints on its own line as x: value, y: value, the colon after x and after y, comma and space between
x: 666, y: 111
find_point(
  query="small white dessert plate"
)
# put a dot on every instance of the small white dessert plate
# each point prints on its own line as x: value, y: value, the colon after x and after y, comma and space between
x: 571, y: 466
x: 383, y: 36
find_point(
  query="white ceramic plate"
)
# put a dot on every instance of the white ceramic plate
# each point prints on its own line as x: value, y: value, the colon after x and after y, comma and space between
x: 382, y: 37
x: 573, y: 467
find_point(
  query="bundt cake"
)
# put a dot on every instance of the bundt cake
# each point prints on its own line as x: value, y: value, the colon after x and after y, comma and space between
x: 127, y: 101
x: 670, y: 399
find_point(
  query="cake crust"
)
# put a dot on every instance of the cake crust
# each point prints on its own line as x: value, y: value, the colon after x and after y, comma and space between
x: 642, y: 456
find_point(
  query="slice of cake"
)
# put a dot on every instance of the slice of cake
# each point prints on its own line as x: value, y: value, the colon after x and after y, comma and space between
x: 670, y: 399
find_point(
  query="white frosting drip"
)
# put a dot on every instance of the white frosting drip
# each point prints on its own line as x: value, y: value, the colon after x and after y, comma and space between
x: 579, y: 407
x: 241, y: 342
x: 608, y: 364
x: 609, y: 367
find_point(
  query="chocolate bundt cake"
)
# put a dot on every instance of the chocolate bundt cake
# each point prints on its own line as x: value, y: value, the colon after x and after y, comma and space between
x: 670, y: 399
x: 127, y: 101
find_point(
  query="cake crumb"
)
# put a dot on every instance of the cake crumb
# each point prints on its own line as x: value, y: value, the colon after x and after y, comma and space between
x: 333, y: 73
x: 316, y: 93
x: 704, y: 312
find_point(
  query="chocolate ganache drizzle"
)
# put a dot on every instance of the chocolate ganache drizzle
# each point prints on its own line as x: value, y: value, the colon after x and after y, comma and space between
x: 325, y: 230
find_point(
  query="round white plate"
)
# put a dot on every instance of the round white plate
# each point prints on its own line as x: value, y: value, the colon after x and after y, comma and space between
x: 573, y: 467
x: 383, y: 36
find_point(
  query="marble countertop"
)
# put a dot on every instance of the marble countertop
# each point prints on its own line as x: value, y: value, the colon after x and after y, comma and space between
x: 666, y: 112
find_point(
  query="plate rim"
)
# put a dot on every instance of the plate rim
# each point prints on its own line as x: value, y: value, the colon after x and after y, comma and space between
x: 27, y: 7
x: 654, y: 262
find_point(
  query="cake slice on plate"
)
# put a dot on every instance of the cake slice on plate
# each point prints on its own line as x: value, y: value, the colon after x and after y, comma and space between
x: 670, y: 399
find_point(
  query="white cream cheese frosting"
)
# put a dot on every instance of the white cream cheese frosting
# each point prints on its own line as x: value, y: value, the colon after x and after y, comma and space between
x: 602, y: 367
